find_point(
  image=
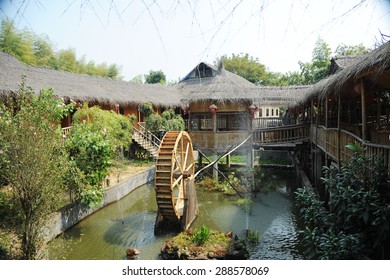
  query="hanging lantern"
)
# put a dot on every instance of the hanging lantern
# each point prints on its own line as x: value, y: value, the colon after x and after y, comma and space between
x: 213, y: 109
x: 252, y: 110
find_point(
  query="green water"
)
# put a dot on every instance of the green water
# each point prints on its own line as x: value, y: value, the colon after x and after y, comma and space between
x: 106, y: 234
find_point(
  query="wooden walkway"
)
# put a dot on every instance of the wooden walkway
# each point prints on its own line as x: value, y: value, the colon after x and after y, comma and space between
x: 286, y: 137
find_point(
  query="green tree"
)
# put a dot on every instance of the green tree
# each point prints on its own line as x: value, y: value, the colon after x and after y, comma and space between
x: 343, y: 50
x: 245, y: 66
x: 317, y: 69
x: 33, y: 147
x: 155, y: 77
x: 16, y: 42
x: 67, y: 60
x: 43, y: 51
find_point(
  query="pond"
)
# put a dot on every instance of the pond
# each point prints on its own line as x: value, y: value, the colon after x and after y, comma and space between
x: 129, y: 223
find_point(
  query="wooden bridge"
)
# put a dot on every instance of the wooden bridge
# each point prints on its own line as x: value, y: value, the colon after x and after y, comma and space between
x: 280, y: 137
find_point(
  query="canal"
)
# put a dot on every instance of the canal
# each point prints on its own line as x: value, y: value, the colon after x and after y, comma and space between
x: 129, y: 223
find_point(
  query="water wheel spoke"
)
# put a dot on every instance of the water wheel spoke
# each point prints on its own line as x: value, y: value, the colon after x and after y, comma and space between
x: 186, y: 156
x: 179, y: 164
x: 177, y: 181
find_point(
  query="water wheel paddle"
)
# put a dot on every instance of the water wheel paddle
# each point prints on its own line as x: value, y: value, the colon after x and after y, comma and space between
x: 175, y: 168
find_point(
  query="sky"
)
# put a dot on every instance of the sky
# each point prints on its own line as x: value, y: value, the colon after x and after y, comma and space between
x: 175, y: 35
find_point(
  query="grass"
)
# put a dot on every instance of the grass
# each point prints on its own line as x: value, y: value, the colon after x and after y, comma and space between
x: 187, y: 242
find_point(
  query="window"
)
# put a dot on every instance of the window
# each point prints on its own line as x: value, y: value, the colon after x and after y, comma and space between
x: 272, y: 112
x: 225, y: 121
x: 200, y: 121
x: 260, y: 112
x: 231, y: 121
x: 277, y: 112
x: 267, y: 112
x: 203, y: 71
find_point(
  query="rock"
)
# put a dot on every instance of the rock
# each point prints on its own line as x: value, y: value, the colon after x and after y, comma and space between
x: 238, y: 245
x: 229, y: 234
x: 211, y: 255
x: 132, y: 253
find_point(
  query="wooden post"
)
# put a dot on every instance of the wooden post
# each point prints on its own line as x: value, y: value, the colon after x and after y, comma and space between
x: 326, y: 110
x: 378, y: 111
x: 364, y: 110
x: 339, y: 131
x: 215, y: 156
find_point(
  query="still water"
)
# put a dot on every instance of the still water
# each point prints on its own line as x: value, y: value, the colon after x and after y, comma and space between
x: 129, y: 223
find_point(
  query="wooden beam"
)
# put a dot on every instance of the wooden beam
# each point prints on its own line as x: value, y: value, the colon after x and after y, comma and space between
x: 364, y: 110
x: 339, y: 131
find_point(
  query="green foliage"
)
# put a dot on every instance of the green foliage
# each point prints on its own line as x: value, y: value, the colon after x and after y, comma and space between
x: 91, y: 196
x: 147, y: 109
x: 33, y: 149
x: 245, y: 66
x: 343, y: 50
x: 355, y: 222
x: 201, y: 235
x: 155, y: 77
x: 38, y: 50
x: 117, y: 128
x: 317, y: 69
x: 90, y: 152
x: 167, y: 121
x: 253, y: 236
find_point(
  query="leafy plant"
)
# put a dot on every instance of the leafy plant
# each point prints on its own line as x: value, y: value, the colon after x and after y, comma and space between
x: 167, y: 121
x: 253, y: 236
x: 354, y: 224
x: 201, y: 235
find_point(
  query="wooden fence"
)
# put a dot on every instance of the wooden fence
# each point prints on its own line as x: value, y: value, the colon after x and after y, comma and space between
x: 280, y: 134
x: 333, y: 142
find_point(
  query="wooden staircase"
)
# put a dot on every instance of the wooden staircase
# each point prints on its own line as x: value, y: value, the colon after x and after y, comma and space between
x: 146, y: 140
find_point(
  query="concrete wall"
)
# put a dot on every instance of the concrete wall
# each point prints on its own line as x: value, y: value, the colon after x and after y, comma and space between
x: 73, y: 213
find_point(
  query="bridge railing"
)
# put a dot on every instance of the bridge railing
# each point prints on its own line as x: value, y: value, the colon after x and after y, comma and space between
x: 280, y: 134
x: 333, y: 142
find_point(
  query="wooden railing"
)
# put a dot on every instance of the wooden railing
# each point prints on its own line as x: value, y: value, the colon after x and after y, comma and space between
x: 280, y: 134
x: 334, y: 141
x: 147, y: 136
x: 65, y: 131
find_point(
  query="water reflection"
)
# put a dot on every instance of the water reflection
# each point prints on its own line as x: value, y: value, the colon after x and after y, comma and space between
x: 129, y: 222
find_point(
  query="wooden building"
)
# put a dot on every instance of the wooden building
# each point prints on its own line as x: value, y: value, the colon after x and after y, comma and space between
x: 120, y: 96
x: 351, y: 105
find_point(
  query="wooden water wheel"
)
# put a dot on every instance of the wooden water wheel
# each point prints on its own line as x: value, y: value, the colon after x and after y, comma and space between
x: 175, y: 168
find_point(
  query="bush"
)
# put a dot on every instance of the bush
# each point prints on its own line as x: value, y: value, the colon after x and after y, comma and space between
x: 354, y: 224
x: 91, y: 153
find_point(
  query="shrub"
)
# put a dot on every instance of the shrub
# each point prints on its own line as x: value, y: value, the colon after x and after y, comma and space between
x: 354, y: 224
x: 201, y: 235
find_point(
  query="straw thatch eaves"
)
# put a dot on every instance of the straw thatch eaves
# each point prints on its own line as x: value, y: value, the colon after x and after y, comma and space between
x: 339, y: 63
x: 282, y: 95
x: 206, y: 82
x: 82, y: 88
x: 374, y: 67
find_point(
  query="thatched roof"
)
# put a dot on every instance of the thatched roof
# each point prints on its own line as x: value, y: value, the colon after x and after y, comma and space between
x: 282, y: 95
x: 219, y: 85
x: 338, y: 63
x: 82, y: 87
x: 374, y: 67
